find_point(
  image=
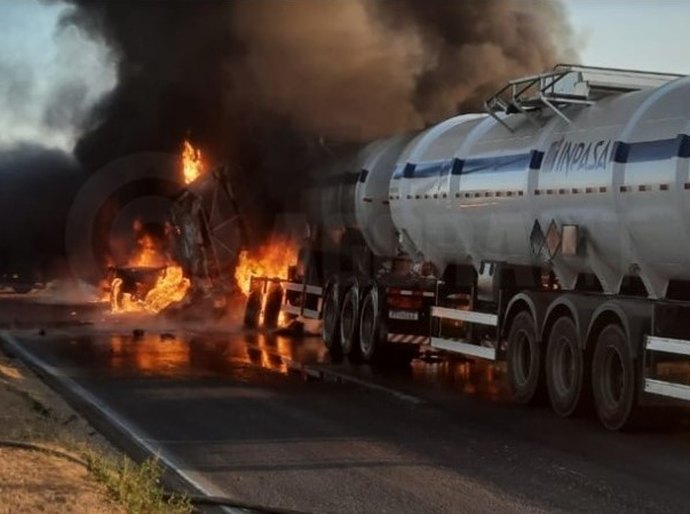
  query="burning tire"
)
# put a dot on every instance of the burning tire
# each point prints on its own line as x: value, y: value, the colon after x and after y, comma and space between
x: 349, y: 323
x: 274, y: 300
x: 524, y: 360
x: 252, y: 311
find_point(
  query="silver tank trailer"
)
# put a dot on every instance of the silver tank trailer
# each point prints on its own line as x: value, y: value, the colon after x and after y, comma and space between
x: 352, y: 194
x: 597, y: 185
x: 600, y: 185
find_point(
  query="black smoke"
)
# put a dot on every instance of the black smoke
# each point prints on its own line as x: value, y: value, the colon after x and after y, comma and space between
x: 37, y: 186
x: 260, y: 82
x: 271, y: 85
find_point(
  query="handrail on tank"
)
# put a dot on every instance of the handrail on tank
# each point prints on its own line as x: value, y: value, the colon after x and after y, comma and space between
x: 582, y: 67
x: 590, y: 83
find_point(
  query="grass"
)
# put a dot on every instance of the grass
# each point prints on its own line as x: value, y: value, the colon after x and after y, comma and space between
x: 136, y: 486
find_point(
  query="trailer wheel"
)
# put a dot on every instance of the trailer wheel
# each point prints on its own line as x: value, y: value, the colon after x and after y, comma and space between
x: 274, y: 301
x: 613, y: 378
x: 524, y: 360
x: 330, y: 329
x: 349, y: 323
x: 252, y: 310
x: 370, y: 329
x: 564, y: 367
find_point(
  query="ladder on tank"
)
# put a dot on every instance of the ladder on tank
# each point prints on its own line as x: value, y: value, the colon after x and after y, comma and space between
x: 567, y: 84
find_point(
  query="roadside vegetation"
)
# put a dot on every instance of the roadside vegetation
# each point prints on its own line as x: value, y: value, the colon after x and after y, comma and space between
x: 136, y: 486
x: 52, y: 461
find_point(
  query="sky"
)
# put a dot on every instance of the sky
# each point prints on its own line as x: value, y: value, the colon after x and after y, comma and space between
x: 50, y: 76
x: 646, y: 35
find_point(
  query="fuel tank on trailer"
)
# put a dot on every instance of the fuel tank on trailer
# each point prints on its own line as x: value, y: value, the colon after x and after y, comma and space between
x: 470, y: 189
x: 352, y: 194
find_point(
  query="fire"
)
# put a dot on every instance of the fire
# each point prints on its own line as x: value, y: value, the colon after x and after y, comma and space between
x: 148, y: 254
x: 192, y: 162
x: 270, y: 260
x: 151, y: 281
x: 171, y: 286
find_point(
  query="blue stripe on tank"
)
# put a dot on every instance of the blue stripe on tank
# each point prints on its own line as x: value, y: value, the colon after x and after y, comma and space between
x: 655, y: 150
x: 643, y: 151
x: 513, y: 162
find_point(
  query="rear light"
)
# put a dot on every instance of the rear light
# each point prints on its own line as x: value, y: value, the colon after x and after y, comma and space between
x: 404, y: 302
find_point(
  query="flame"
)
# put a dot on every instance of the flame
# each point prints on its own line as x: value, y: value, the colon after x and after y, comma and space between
x: 270, y: 260
x: 148, y: 254
x: 192, y: 162
x: 171, y: 286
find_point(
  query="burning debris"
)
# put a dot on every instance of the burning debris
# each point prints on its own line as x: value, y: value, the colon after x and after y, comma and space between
x: 170, y: 286
x: 151, y: 280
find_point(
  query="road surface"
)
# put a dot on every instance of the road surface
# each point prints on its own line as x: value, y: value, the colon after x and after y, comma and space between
x: 269, y: 420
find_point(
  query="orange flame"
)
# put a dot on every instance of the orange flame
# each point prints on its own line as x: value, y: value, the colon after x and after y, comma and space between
x: 192, y: 162
x: 148, y: 254
x: 270, y: 260
x: 171, y: 286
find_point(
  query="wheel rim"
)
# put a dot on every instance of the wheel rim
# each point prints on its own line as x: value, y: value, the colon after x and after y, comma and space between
x: 614, y: 378
x: 564, y: 372
x: 523, y: 358
x: 367, y: 326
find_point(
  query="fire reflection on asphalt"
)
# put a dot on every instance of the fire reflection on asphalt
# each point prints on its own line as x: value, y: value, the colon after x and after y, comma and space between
x: 170, y: 355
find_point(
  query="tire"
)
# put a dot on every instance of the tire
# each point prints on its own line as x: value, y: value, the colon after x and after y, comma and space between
x: 564, y: 367
x: 349, y: 323
x: 22, y: 288
x: 252, y: 310
x: 371, y: 330
x: 525, y: 361
x: 274, y: 301
x: 613, y: 378
x: 330, y: 328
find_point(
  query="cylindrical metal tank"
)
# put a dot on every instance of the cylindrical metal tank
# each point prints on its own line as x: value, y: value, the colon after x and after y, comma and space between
x: 352, y: 194
x: 469, y: 190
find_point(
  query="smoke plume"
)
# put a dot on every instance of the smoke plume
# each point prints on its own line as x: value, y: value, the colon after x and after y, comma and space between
x: 261, y: 82
x: 343, y: 69
x: 36, y: 188
x: 258, y: 82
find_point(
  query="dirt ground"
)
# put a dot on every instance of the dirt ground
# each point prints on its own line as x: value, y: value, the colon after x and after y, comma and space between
x: 34, y: 482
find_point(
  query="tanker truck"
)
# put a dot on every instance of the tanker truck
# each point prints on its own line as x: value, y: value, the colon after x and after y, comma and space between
x: 550, y: 232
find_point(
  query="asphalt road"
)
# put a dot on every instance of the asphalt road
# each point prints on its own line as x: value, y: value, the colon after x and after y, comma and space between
x: 270, y: 421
